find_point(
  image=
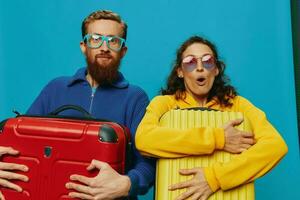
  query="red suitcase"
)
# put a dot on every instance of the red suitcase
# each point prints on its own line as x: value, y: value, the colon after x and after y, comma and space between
x: 55, y: 147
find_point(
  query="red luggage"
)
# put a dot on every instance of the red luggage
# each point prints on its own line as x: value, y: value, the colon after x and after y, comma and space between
x: 54, y: 147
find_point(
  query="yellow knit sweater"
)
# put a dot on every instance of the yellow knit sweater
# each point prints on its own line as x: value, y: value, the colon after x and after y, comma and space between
x: 155, y: 141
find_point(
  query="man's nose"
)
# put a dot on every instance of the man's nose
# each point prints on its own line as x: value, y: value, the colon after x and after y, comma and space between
x: 104, y: 46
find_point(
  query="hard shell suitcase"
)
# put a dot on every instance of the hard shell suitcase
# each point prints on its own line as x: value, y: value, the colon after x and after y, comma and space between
x: 167, y: 170
x: 54, y: 147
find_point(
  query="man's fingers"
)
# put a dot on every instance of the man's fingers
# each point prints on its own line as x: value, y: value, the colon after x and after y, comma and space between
x: 80, y: 188
x: 8, y: 150
x: 13, y: 166
x: 83, y: 179
x: 97, y: 164
x: 13, y: 176
x: 1, y: 196
x: 7, y: 184
x: 80, y: 195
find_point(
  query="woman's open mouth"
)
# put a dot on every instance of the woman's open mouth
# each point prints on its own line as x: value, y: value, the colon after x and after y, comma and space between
x: 201, y: 81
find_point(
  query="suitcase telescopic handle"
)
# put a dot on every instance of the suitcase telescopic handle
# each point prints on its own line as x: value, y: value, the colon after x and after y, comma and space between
x: 60, y: 109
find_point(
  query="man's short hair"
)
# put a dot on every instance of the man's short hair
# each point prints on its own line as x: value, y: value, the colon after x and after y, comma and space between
x: 103, y: 14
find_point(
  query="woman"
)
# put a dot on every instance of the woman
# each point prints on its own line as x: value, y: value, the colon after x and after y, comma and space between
x: 198, y: 80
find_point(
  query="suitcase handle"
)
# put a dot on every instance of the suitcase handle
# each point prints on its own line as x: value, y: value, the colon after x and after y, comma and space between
x: 198, y: 108
x: 60, y: 109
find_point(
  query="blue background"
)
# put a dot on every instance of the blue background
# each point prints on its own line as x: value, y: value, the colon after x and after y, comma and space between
x: 39, y: 40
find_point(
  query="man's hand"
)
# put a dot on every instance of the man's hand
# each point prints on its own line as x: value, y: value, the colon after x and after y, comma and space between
x: 6, y: 173
x: 197, y: 187
x: 108, y: 184
x: 237, y: 141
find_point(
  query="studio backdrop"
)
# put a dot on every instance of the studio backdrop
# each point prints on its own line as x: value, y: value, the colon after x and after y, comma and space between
x: 39, y: 40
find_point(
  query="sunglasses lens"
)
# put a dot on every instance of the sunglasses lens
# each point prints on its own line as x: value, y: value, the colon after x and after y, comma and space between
x: 189, y: 63
x: 208, y: 62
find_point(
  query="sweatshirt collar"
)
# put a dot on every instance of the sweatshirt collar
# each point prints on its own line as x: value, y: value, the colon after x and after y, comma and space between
x: 189, y: 101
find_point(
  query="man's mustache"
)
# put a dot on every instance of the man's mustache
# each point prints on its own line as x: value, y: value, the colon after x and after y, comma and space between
x: 103, y: 55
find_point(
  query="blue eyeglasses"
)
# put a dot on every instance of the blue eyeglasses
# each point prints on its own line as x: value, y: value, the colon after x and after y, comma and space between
x: 190, y: 62
x: 94, y: 41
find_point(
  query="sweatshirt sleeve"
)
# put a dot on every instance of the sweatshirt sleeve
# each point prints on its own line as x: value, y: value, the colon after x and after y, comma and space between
x: 142, y: 172
x: 254, y: 162
x: 156, y: 141
x: 41, y: 103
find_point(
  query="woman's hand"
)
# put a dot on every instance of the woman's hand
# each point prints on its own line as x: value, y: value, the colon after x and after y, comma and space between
x: 237, y: 141
x: 197, y: 187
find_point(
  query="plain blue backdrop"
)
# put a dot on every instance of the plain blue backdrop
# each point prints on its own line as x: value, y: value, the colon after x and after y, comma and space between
x: 39, y: 40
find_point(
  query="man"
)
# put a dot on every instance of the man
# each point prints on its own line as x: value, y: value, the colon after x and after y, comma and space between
x: 103, y: 91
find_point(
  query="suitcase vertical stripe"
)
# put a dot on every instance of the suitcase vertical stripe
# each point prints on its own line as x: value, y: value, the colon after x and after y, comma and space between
x: 167, y: 169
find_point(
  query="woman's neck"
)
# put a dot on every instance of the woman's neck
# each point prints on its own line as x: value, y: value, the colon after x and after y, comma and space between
x: 201, y: 100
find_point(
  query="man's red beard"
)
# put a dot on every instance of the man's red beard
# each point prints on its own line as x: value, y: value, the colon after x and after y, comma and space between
x: 104, y: 75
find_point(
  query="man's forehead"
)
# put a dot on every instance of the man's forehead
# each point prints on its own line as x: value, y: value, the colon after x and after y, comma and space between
x: 105, y: 27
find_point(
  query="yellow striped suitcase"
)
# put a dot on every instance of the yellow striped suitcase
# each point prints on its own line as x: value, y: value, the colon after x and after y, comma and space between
x: 167, y: 169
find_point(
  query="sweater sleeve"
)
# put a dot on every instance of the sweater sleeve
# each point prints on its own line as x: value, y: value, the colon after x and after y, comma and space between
x: 156, y: 141
x: 254, y: 162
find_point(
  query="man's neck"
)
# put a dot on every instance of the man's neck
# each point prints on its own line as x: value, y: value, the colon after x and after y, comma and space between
x: 91, y: 81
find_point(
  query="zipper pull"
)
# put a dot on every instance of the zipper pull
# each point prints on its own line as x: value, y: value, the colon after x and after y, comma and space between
x: 93, y: 91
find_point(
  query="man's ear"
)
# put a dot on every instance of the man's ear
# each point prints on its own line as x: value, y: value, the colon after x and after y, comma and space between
x: 123, y: 51
x: 83, y: 47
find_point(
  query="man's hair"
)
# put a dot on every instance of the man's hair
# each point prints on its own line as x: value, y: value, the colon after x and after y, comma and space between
x: 221, y: 88
x: 103, y: 14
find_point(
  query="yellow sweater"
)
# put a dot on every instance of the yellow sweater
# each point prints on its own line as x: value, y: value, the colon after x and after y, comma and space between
x: 155, y: 141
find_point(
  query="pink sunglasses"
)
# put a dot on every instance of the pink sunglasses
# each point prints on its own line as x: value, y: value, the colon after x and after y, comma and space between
x: 189, y: 63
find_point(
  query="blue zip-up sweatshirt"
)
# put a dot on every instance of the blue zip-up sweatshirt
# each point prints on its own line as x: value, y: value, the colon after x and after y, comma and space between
x: 122, y: 103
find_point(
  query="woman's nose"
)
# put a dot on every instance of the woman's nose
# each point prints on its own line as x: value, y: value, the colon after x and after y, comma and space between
x: 199, y: 66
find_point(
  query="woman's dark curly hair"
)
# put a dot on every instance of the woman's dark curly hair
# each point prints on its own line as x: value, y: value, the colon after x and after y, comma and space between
x: 221, y: 88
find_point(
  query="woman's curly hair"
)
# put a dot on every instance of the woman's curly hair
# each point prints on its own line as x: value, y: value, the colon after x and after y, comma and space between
x: 221, y: 88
